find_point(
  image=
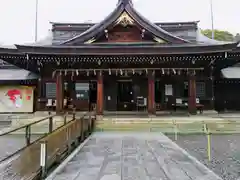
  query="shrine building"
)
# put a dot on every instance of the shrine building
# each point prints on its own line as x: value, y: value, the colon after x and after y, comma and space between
x: 127, y: 63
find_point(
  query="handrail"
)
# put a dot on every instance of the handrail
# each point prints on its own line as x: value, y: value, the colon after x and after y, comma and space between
x: 58, y: 143
x: 24, y: 126
x: 28, y: 134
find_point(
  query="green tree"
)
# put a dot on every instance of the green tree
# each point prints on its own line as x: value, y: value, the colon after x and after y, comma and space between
x: 219, y: 35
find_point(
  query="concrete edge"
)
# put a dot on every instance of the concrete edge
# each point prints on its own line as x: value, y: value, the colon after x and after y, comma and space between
x: 68, y: 159
x: 194, y: 159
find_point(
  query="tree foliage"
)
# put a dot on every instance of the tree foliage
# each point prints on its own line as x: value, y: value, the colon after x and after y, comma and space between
x: 219, y: 35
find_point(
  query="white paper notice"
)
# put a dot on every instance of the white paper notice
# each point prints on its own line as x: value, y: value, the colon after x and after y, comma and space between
x: 168, y: 90
x: 178, y: 101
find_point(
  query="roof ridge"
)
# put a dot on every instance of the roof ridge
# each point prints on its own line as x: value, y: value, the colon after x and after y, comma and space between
x: 125, y: 2
x: 125, y: 6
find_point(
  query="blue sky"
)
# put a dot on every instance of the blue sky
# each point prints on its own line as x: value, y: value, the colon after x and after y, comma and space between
x: 17, y: 16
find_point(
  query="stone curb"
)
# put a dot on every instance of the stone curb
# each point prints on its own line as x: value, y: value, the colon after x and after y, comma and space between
x: 69, y: 158
x: 195, y: 160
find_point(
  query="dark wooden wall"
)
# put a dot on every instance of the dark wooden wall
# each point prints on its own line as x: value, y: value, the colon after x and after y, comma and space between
x: 227, y: 95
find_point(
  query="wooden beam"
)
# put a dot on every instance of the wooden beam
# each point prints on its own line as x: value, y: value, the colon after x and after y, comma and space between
x: 151, y: 93
x: 59, y: 93
x: 99, y: 93
x: 39, y: 94
x: 192, y: 94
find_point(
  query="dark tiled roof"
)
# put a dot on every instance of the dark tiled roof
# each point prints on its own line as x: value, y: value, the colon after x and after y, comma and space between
x: 127, y: 48
x: 124, y: 6
x: 16, y: 74
x: 64, y: 31
x: 81, y: 27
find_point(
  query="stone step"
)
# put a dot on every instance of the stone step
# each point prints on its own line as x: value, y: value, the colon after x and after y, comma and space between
x: 181, y: 126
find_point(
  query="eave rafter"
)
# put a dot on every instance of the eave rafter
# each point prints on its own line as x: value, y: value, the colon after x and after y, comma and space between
x: 127, y: 71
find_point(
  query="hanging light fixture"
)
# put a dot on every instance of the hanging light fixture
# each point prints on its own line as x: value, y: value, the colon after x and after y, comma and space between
x: 174, y: 71
x: 121, y: 72
x: 53, y: 74
x: 163, y: 71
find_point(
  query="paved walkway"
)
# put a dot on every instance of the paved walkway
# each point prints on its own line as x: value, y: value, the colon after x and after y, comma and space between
x: 130, y: 156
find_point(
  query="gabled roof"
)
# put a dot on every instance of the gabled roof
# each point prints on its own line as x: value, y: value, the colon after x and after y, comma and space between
x: 167, y: 26
x: 125, y: 6
x: 62, y: 32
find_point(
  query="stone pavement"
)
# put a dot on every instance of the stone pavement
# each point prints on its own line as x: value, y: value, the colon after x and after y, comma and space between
x: 163, y: 118
x: 131, y: 156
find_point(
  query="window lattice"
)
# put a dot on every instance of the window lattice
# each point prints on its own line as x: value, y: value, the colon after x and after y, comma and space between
x: 200, y: 89
x: 51, y: 90
x: 82, y: 91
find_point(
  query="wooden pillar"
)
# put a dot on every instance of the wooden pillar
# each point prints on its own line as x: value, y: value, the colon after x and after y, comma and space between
x: 212, y: 101
x: 151, y: 93
x: 192, y: 94
x: 59, y: 93
x: 99, y: 93
x: 39, y: 94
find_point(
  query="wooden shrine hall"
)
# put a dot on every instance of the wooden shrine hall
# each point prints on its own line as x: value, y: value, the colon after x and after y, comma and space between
x: 124, y: 63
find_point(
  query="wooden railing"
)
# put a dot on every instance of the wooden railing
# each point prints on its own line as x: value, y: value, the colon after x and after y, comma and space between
x: 28, y: 163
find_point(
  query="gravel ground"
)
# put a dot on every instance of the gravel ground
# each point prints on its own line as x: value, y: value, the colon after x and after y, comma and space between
x: 225, y: 153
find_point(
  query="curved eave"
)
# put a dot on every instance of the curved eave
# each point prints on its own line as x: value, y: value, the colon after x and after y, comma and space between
x: 237, y: 50
x: 9, y: 51
x: 153, y: 28
x: 114, y: 49
x: 121, y: 7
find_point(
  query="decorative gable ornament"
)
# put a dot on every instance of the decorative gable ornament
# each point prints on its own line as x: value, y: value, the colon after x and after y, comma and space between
x: 125, y: 20
x: 90, y: 41
x: 161, y: 41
